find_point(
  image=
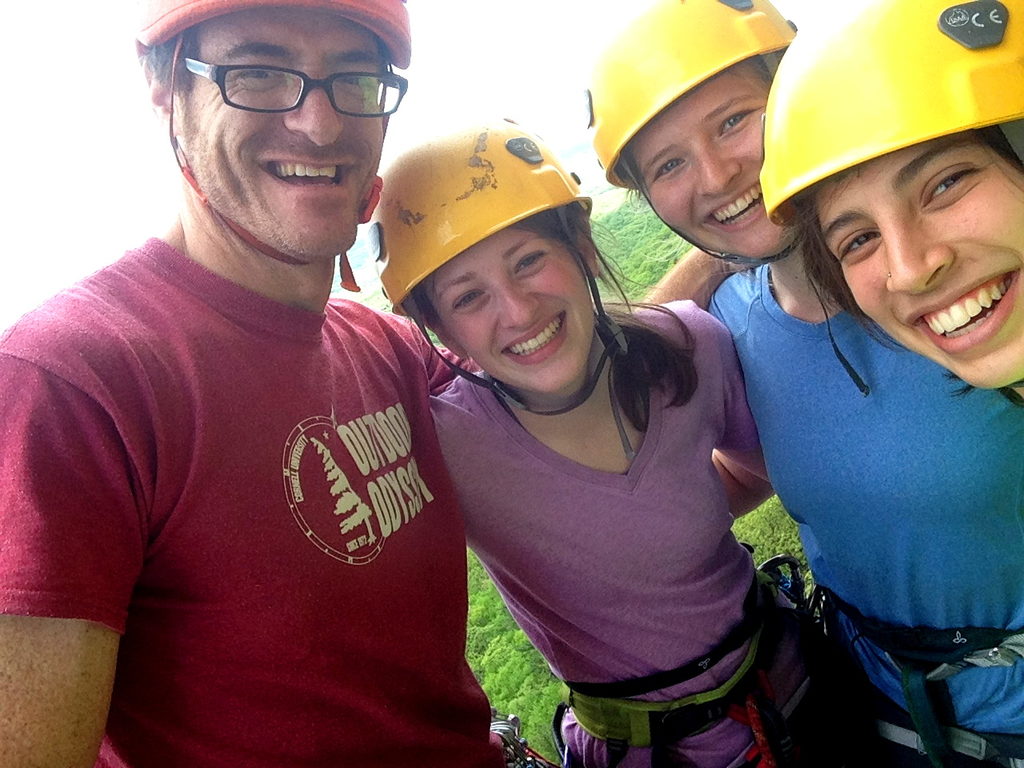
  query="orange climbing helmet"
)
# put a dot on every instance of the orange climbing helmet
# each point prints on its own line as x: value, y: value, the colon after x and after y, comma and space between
x: 161, y: 20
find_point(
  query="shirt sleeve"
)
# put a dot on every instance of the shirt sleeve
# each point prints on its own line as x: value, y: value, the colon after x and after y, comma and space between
x: 740, y: 431
x: 72, y: 536
x: 717, y: 362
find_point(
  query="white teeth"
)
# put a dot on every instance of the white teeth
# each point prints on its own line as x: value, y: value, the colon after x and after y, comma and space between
x: 298, y: 169
x: 538, y: 341
x: 960, y: 314
x: 737, y: 207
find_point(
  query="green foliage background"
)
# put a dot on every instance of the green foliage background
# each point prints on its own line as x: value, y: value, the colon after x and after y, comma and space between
x: 513, y: 674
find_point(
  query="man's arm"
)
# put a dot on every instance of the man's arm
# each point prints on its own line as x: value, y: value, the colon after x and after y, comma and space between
x: 56, y: 677
x: 696, y: 277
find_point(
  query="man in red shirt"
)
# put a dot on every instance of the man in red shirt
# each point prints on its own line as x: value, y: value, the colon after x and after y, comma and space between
x: 227, y: 537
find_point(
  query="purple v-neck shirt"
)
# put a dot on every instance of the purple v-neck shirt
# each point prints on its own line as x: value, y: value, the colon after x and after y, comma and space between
x: 612, y: 576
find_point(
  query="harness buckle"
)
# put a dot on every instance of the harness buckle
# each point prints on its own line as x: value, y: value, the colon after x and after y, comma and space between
x: 1006, y: 654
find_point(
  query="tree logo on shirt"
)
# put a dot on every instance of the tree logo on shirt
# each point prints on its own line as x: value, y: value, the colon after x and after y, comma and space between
x: 351, y: 486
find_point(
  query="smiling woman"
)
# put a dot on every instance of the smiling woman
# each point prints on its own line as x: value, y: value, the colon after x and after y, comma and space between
x: 578, y: 426
x: 917, y: 216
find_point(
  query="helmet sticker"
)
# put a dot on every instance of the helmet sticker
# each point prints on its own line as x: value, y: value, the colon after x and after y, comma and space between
x: 739, y: 5
x: 409, y: 218
x: 979, y: 24
x: 525, y: 149
x: 477, y: 160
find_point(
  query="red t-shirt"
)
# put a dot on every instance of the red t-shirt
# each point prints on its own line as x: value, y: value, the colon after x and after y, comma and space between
x: 253, y: 494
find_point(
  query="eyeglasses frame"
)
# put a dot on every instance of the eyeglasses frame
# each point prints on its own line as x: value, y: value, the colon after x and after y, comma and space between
x: 217, y: 74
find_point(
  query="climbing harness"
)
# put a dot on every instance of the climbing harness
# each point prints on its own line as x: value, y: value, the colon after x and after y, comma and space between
x: 606, y: 711
x: 927, y: 658
x: 988, y: 748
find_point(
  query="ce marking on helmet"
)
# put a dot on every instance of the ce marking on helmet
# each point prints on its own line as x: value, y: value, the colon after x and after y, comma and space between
x: 980, y: 24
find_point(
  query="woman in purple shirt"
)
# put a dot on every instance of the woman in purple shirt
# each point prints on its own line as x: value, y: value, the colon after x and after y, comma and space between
x: 599, y: 457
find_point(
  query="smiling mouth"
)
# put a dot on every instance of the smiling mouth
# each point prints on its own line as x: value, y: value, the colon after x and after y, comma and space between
x: 539, y: 341
x: 969, y: 311
x: 300, y: 173
x: 738, y: 207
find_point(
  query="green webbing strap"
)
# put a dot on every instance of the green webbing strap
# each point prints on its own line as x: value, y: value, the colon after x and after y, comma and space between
x: 629, y: 720
x: 922, y: 713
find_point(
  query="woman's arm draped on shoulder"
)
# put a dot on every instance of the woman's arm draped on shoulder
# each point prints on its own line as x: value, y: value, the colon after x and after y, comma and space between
x: 696, y: 277
x: 745, y: 479
x: 56, y: 676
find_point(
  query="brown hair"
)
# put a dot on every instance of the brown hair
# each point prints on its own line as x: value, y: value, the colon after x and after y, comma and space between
x: 158, y: 58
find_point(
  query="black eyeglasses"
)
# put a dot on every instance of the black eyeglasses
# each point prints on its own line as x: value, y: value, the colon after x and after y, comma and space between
x: 276, y: 89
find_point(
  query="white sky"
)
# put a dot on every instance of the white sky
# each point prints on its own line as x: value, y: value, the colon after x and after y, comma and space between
x: 89, y: 174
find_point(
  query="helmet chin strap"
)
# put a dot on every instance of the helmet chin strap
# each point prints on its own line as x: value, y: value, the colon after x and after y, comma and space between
x: 734, y: 258
x: 348, y: 281
x: 509, y: 397
x: 609, y: 334
x: 786, y: 251
x: 613, y: 344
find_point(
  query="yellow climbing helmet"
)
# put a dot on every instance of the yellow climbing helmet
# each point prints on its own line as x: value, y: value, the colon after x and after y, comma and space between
x: 448, y: 194
x: 670, y: 49
x: 889, y: 76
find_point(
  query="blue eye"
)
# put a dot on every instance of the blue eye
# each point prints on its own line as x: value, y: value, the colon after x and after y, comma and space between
x: 529, y: 260
x: 733, y: 121
x: 667, y: 167
x: 948, y: 182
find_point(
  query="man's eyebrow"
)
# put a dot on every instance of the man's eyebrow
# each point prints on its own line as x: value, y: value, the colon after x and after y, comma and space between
x: 272, y: 51
x: 257, y: 50
x: 359, y: 56
x: 907, y: 173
